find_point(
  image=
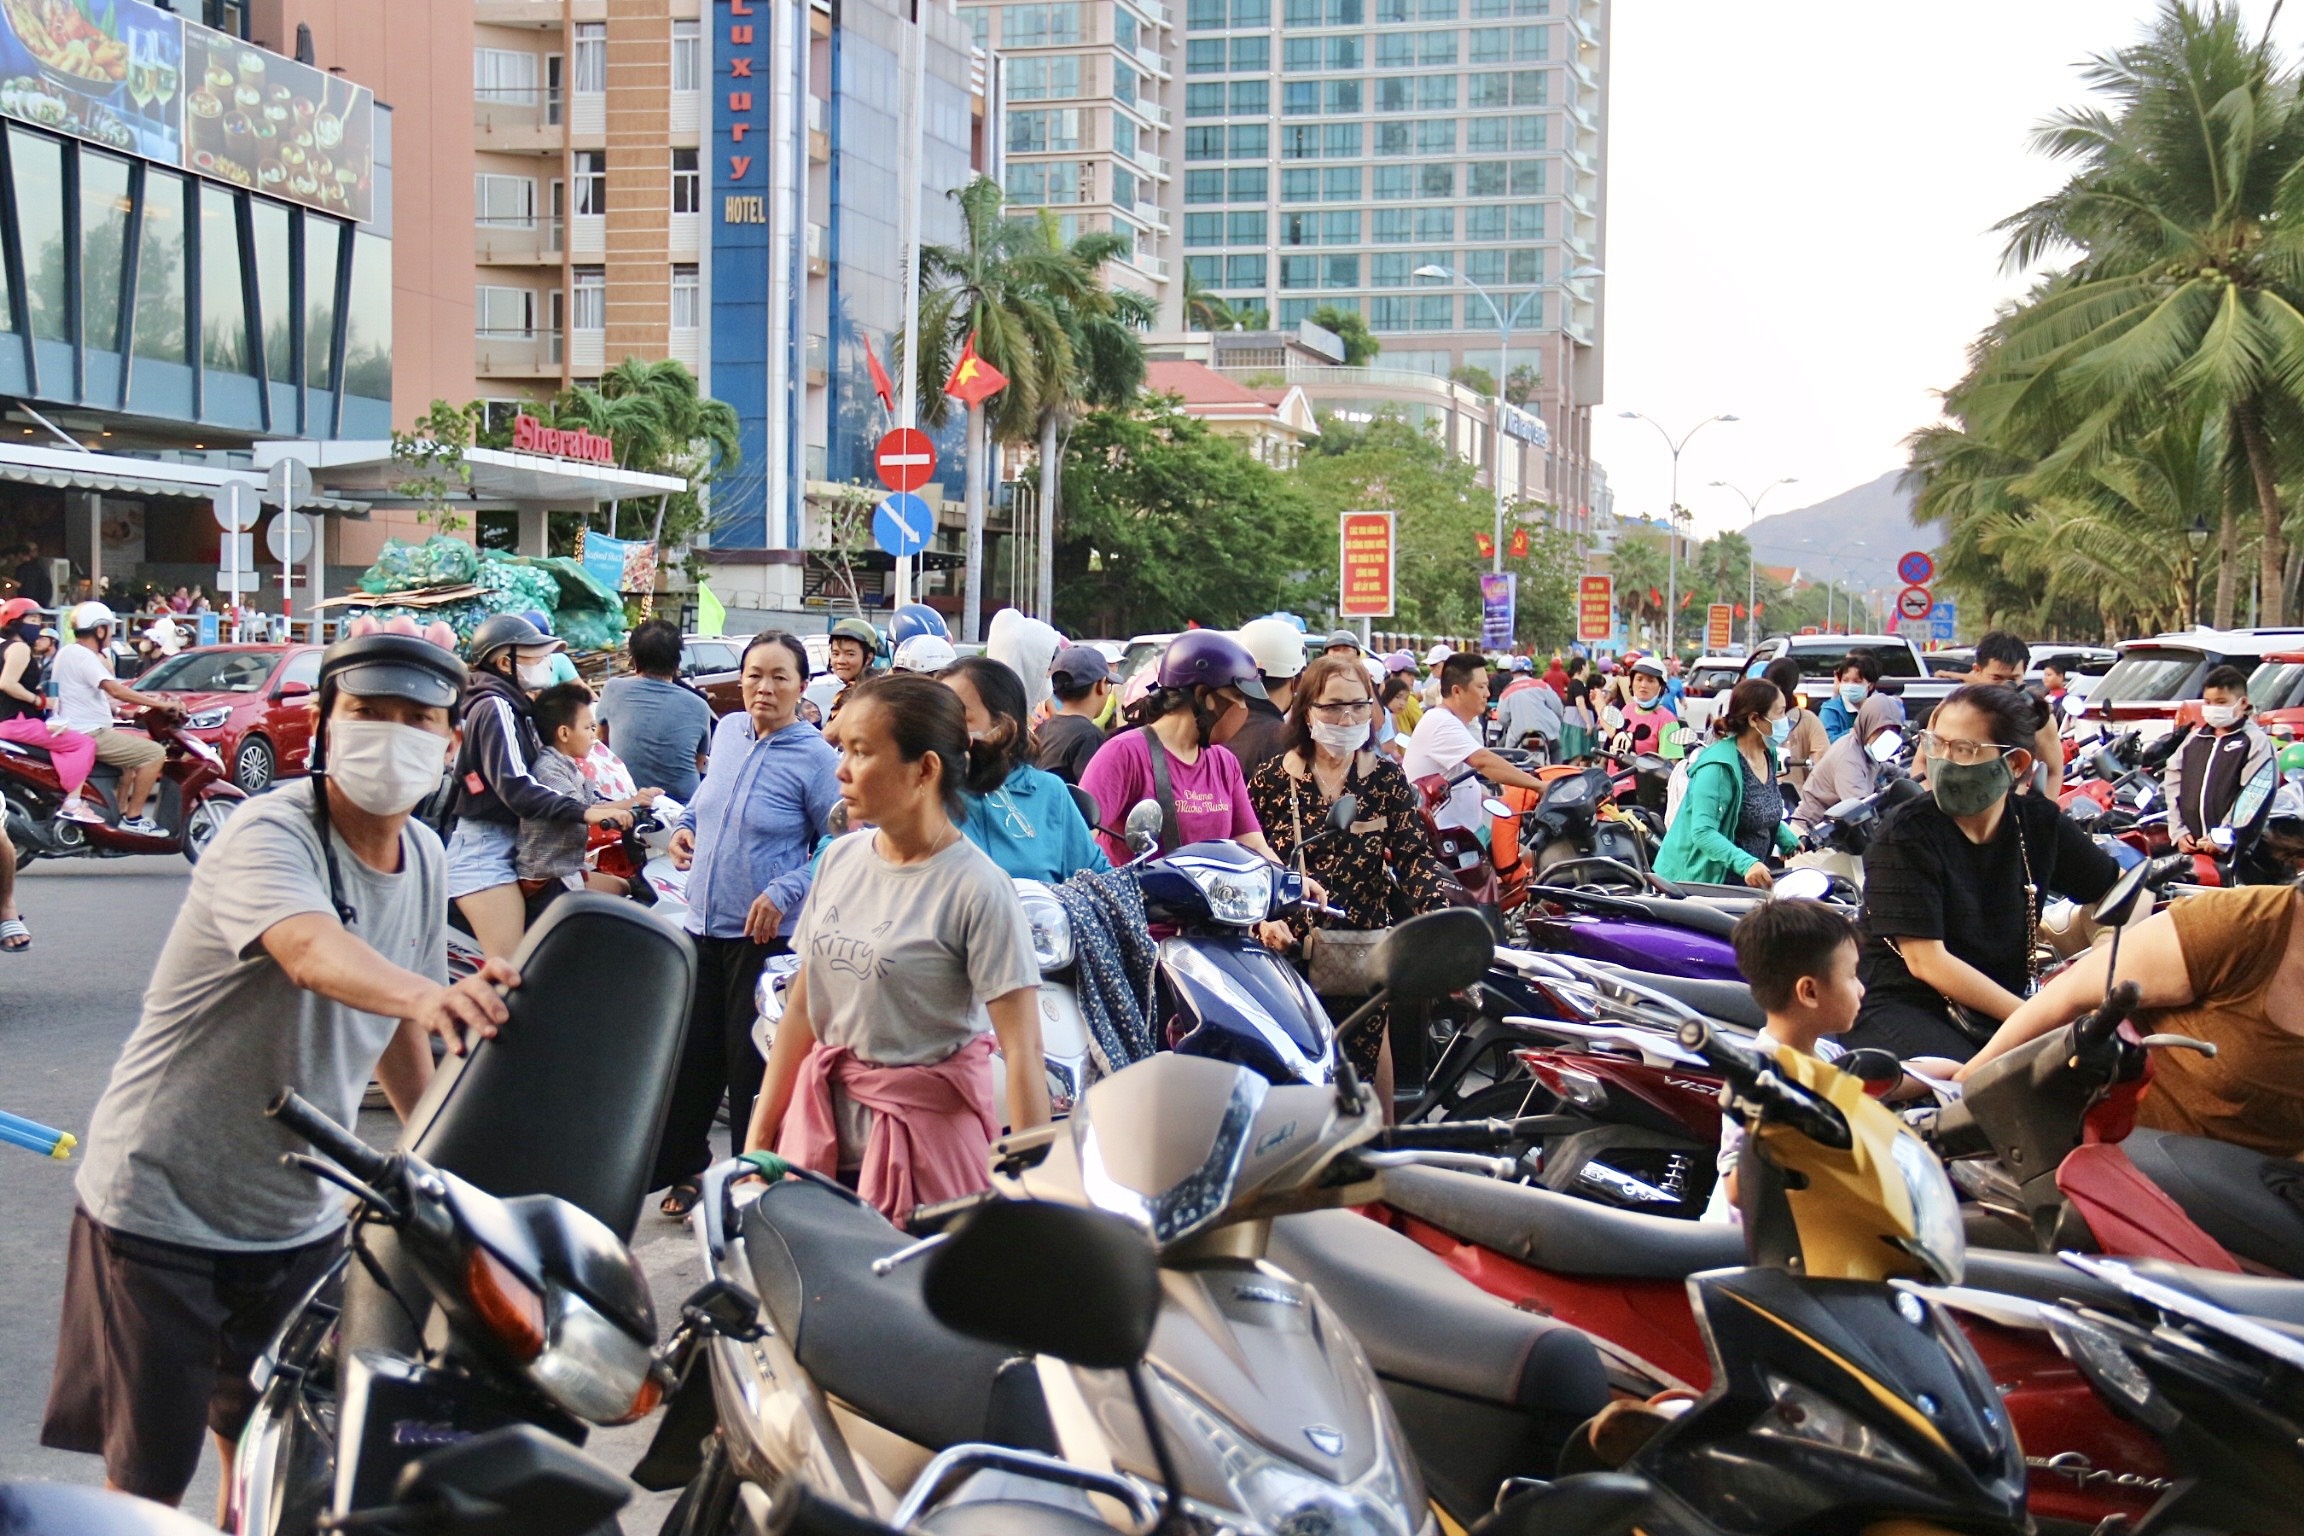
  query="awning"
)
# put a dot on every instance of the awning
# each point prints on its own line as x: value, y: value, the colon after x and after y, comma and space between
x: 491, y: 476
x: 120, y: 475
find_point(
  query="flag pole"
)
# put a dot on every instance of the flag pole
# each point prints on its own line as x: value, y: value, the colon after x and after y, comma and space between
x: 908, y: 196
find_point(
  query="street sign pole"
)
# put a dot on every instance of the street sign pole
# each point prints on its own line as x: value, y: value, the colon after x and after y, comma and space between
x: 290, y: 484
x: 236, y: 509
x: 904, y: 460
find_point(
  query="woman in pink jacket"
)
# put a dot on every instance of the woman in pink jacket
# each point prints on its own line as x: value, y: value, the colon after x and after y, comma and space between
x: 915, y: 956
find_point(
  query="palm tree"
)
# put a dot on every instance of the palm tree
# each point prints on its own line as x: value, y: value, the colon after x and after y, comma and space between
x: 661, y: 423
x: 2187, y: 211
x: 1639, y: 568
x: 1204, y: 311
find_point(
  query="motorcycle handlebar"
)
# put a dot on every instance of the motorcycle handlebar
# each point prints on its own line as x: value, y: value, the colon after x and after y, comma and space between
x: 1450, y: 1134
x: 929, y: 1219
x: 1754, y: 1078
x: 328, y: 1138
x: 2098, y: 1027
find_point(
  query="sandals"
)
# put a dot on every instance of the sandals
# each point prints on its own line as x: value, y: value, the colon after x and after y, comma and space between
x: 15, y: 938
x: 679, y: 1200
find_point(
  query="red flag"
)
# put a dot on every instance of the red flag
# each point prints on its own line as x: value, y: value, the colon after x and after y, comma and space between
x: 1758, y: 609
x: 973, y: 379
x: 881, y: 384
x: 1487, y: 545
x: 1519, y: 543
x: 1740, y: 610
x: 1656, y: 596
x: 1686, y: 598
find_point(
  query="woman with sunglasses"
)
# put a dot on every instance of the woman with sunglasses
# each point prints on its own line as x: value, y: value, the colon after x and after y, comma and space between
x: 1378, y: 871
x: 1022, y: 816
x: 1954, y: 884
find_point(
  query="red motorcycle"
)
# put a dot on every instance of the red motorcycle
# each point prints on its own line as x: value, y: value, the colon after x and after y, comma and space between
x: 191, y: 802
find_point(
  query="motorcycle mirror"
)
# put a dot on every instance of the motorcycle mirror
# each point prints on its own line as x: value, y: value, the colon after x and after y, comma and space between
x: 2113, y: 909
x: 1885, y: 747
x: 1344, y: 812
x: 1074, y: 1284
x: 515, y: 1481
x: 1496, y: 809
x: 1435, y: 953
x: 1803, y: 885
x: 1142, y: 829
x: 1612, y: 717
x: 1587, y: 1504
x: 2072, y: 704
x: 1879, y: 1070
x: 2250, y: 802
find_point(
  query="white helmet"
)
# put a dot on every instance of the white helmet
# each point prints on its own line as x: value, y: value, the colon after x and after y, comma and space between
x: 1277, y: 645
x: 90, y: 617
x: 1439, y: 653
x: 924, y: 653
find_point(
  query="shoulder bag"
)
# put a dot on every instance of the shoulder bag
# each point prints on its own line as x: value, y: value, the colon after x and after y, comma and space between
x: 1343, y: 960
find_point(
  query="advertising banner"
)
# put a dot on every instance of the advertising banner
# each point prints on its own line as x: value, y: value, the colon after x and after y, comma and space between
x: 741, y: 71
x: 1499, y: 602
x: 1719, y: 627
x: 1595, y: 607
x: 110, y: 75
x: 1364, y: 564
x: 620, y: 565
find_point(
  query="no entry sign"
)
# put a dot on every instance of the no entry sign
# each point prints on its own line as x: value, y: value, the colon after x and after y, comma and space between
x: 905, y: 459
x: 1915, y: 602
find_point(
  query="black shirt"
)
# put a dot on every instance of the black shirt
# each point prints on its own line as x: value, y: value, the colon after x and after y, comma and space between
x: 1262, y: 738
x: 1066, y: 742
x: 32, y: 582
x: 1923, y: 879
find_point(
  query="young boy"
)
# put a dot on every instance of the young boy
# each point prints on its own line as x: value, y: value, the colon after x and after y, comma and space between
x: 551, y: 851
x: 1800, y: 959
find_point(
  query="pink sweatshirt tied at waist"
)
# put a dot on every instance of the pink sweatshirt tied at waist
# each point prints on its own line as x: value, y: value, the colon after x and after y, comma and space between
x: 932, y: 1124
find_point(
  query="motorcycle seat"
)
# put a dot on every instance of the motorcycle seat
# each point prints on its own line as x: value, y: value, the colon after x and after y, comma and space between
x: 1728, y: 1002
x: 2222, y: 1187
x: 2267, y: 1298
x: 27, y: 751
x: 870, y: 1340
x: 1427, y: 1326
x: 1548, y: 1230
x: 1697, y: 916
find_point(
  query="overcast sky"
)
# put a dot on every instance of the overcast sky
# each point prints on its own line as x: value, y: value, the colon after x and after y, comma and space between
x: 1801, y: 195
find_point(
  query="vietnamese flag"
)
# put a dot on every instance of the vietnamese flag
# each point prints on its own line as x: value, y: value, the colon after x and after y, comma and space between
x: 1487, y: 545
x: 1739, y: 610
x: 882, y: 385
x: 1656, y: 596
x: 1686, y: 598
x: 1519, y: 543
x: 973, y: 379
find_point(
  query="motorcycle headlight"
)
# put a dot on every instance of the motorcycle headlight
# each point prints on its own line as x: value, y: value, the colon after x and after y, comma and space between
x: 1938, y: 1238
x: 1280, y: 1498
x: 1240, y: 897
x: 208, y: 719
x: 1795, y: 1412
x: 1051, y: 927
x: 591, y: 1367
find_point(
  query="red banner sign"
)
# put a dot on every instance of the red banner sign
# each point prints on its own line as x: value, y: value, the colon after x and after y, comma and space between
x: 1719, y: 627
x: 1595, y: 607
x: 1364, y: 565
x: 531, y: 436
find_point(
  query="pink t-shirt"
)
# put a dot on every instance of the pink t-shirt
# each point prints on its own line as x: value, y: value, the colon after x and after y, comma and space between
x: 1211, y: 794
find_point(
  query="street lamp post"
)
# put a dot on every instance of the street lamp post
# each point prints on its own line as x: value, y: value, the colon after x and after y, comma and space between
x: 1504, y: 324
x: 1752, y: 556
x: 1672, y: 523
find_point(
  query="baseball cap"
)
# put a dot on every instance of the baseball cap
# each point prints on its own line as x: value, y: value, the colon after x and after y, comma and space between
x: 1438, y: 654
x: 398, y: 666
x: 1342, y: 637
x: 1078, y: 666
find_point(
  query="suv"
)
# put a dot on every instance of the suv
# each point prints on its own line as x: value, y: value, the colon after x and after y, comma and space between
x: 713, y: 665
x: 2154, y: 679
x: 1708, y: 686
x: 1900, y: 664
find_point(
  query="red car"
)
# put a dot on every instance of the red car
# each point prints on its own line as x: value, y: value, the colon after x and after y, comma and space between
x: 252, y: 703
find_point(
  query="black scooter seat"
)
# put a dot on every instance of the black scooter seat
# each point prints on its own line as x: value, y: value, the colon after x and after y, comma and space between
x: 1728, y: 1002
x: 1426, y: 1325
x: 27, y: 751
x: 870, y: 1340
x: 2224, y: 1188
x: 1561, y: 1233
x: 1689, y: 912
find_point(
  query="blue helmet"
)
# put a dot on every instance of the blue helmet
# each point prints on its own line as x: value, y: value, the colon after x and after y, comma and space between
x: 916, y: 619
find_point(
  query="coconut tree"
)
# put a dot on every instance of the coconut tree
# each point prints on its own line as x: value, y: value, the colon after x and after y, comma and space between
x: 661, y: 423
x: 1638, y: 565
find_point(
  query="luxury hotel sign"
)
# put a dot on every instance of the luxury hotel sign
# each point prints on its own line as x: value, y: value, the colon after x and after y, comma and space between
x: 531, y: 436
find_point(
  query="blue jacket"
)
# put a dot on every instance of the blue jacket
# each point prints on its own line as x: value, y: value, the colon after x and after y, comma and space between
x: 757, y: 816
x: 1838, y: 718
x: 1700, y: 846
x: 1031, y: 829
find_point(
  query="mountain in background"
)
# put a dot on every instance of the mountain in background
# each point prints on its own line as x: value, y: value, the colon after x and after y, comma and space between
x: 1854, y: 536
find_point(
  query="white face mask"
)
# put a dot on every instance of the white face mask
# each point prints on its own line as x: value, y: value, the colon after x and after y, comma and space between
x: 1340, y: 738
x: 535, y: 674
x: 382, y: 767
x: 2220, y: 716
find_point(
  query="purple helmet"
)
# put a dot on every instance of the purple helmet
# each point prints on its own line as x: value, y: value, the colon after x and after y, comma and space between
x: 1400, y: 661
x: 1203, y: 658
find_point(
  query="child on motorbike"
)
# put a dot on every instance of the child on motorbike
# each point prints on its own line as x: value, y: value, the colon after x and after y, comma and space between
x: 1800, y: 959
x: 553, y: 851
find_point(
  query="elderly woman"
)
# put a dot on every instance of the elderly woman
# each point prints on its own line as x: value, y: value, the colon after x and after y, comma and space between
x: 746, y: 841
x: 1846, y: 771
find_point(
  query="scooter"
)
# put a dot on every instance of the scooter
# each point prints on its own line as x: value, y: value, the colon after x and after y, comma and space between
x: 191, y: 802
x: 1256, y: 1412
x: 493, y: 1284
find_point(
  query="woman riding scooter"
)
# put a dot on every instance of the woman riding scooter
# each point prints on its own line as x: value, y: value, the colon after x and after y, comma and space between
x: 24, y: 708
x: 1024, y: 817
x: 1847, y: 771
x: 1733, y: 817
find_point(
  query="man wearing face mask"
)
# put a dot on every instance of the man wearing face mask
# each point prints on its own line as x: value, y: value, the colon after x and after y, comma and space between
x: 497, y: 787
x: 2206, y: 774
x: 310, y: 951
x: 1852, y: 683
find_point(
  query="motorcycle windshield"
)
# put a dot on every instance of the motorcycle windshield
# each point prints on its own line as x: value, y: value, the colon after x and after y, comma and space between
x: 550, y: 1240
x: 1246, y: 1004
x: 1161, y: 1143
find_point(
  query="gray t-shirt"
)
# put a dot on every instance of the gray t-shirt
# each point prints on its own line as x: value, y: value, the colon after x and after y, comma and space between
x: 179, y: 1147
x: 657, y: 728
x: 901, y: 958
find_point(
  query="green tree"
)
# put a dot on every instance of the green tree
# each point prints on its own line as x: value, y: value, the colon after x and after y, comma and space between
x: 1166, y: 522
x: 1204, y: 311
x: 1360, y: 343
x: 1637, y: 561
x: 662, y: 424
x: 1474, y: 377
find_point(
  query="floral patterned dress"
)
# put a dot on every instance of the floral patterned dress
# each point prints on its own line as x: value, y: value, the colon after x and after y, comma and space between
x: 1381, y: 871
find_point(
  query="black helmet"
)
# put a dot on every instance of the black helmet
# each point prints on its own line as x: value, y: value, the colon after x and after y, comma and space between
x: 386, y: 666
x: 504, y: 630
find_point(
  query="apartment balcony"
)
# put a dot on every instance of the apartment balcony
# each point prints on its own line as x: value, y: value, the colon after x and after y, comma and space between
x: 587, y: 353
x: 588, y: 114
x: 1151, y: 165
x: 816, y: 359
x: 1151, y: 216
x: 517, y: 242
x: 517, y: 354
x: 1157, y: 14
x: 542, y: 15
x: 588, y: 237
x: 510, y: 120
x: 1155, y: 64
x: 819, y: 251
x: 1151, y: 266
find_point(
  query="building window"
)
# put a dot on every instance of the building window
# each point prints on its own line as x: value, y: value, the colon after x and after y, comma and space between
x: 504, y: 314
x: 687, y: 56
x: 1299, y: 142
x: 1203, y: 229
x: 1251, y: 141
x: 1436, y: 93
x: 1202, y: 56
x: 1435, y: 223
x: 1392, y: 138
x: 1490, y: 45
x: 1484, y: 178
x: 1039, y: 26
x: 1248, y: 184
x: 1484, y: 266
x: 589, y: 311
x: 1527, y: 267
x: 555, y: 66
x: 1199, y: 187
x: 1527, y: 178
x: 978, y: 21
x: 1204, y: 143
x: 103, y: 244
x: 161, y: 269
x: 1391, y: 226
x: 1490, y: 90
x: 1394, y: 181
x: 1123, y: 187
x: 1435, y: 312
x: 1300, y: 98
x: 1387, y: 313
x: 591, y: 178
x: 1531, y: 42
x: 1340, y: 184
x: 1204, y: 271
x: 1204, y: 100
x: 1486, y: 133
x: 1251, y: 98
x: 1528, y: 133
x: 1123, y: 138
x: 1340, y: 141
x: 687, y: 298
x: 1324, y: 13
x: 1040, y: 78
x: 504, y: 202
x: 1300, y: 186
x: 1204, y: 16
x: 1252, y: 55
x: 1300, y: 55
x: 1034, y: 182
x: 1293, y: 311
x: 1436, y: 180
x: 1393, y: 93
x: 1032, y: 132
x: 1243, y: 271
x: 1299, y: 271
x: 687, y: 182
x: 1340, y: 272
x: 591, y: 56
x: 1484, y: 223
x: 1436, y: 136
x: 223, y: 302
x: 1299, y: 229
x: 1388, y: 270
x: 1341, y: 98
x: 1124, y: 29
x: 505, y: 75
x: 1246, y: 228
x: 1528, y: 221
x: 1340, y: 228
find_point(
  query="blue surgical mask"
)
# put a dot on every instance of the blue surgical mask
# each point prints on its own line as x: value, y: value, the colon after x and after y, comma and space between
x: 1780, y: 729
x: 1852, y: 694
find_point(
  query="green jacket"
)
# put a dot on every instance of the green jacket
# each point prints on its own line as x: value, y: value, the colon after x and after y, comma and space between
x: 1701, y: 846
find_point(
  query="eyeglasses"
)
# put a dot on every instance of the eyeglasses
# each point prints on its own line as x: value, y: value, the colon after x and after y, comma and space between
x: 1346, y: 712
x: 1965, y: 754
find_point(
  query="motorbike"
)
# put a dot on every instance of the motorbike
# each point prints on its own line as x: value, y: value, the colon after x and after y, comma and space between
x: 191, y: 802
x: 494, y: 1286
x: 834, y: 1369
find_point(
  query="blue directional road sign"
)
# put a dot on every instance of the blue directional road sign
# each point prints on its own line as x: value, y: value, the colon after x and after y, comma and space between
x: 901, y: 524
x: 1943, y: 621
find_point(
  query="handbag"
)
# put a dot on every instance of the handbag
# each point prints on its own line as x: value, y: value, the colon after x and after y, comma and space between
x: 1343, y: 961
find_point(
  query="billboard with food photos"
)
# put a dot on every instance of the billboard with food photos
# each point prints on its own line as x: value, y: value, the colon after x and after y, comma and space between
x: 108, y: 71
x: 275, y: 126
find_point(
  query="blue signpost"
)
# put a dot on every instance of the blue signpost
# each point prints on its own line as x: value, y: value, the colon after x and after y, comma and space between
x: 1943, y: 621
x: 901, y: 524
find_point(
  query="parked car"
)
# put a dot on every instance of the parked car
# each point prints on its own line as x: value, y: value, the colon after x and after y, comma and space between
x: 1901, y: 667
x: 252, y: 703
x: 713, y: 665
x: 2149, y: 685
x: 1709, y: 682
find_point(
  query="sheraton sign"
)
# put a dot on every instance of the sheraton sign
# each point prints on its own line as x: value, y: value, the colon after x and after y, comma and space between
x: 531, y: 436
